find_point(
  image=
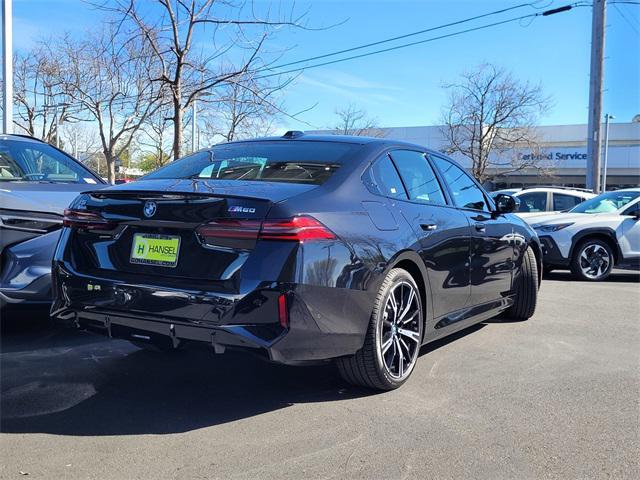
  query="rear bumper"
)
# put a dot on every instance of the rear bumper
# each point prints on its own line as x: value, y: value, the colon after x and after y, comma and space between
x: 324, y: 323
x: 35, y: 293
x: 26, y: 270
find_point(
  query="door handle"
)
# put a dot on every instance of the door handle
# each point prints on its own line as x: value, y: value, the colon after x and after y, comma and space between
x: 428, y: 227
x: 480, y: 227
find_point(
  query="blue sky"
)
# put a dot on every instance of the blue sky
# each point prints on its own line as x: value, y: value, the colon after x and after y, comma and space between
x: 404, y: 87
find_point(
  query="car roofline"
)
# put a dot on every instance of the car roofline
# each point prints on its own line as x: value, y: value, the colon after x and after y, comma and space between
x: 23, y: 137
x: 350, y: 139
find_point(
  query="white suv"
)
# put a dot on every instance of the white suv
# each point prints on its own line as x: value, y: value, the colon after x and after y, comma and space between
x: 593, y: 236
x: 536, y: 200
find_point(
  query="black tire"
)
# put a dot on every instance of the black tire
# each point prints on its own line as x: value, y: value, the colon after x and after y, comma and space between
x: 585, y: 246
x: 366, y: 368
x: 526, y: 298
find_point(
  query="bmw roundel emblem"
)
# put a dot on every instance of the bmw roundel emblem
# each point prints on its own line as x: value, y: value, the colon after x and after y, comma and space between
x: 150, y: 209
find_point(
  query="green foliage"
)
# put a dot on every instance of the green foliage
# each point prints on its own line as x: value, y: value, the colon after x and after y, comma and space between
x: 152, y: 161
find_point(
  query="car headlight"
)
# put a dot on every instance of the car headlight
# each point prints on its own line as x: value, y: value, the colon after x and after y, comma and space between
x: 551, y: 228
x: 35, y: 222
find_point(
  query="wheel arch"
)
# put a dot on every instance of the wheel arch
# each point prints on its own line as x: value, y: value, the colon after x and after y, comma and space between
x: 605, y: 234
x: 413, y: 264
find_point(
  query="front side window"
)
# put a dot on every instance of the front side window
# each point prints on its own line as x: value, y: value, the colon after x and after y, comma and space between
x: 278, y: 161
x: 40, y: 162
x: 418, y: 177
x: 382, y: 179
x: 466, y: 194
x: 562, y: 202
x: 533, y: 202
x: 607, y: 202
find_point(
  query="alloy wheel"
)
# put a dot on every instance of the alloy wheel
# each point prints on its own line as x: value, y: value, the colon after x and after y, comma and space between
x: 594, y: 261
x: 400, y: 331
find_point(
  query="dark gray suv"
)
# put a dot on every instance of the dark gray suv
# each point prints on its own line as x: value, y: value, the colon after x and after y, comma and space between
x: 37, y: 182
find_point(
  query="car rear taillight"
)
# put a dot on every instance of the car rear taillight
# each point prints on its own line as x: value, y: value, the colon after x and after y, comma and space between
x: 230, y: 228
x: 297, y: 229
x: 228, y: 232
x: 86, y: 220
x: 34, y: 222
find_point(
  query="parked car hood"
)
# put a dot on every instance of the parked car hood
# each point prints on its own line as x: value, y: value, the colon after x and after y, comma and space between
x: 41, y: 196
x: 568, y: 217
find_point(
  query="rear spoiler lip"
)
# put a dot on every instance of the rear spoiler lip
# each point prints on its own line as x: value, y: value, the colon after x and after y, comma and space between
x: 155, y: 194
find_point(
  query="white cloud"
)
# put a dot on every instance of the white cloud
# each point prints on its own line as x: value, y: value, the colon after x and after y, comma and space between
x: 350, y: 86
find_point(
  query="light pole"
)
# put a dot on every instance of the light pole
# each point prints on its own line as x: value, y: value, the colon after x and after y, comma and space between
x: 7, y: 67
x: 607, y: 117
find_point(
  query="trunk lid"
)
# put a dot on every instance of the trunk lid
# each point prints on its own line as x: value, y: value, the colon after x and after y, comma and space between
x: 164, y: 217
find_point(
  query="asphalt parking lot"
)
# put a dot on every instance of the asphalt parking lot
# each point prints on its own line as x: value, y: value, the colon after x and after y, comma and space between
x: 554, y: 397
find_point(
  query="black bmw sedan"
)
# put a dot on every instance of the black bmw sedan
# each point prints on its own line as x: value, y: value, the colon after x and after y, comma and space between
x: 301, y: 249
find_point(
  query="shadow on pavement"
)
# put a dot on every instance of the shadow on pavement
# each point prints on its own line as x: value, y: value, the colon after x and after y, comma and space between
x: 66, y: 382
x: 72, y: 383
x: 618, y: 276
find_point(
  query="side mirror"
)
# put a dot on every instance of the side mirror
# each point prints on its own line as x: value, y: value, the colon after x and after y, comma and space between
x: 506, y: 203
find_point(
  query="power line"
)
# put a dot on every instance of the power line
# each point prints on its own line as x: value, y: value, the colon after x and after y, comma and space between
x: 400, y: 37
x: 375, y: 52
x: 398, y: 47
x: 624, y: 16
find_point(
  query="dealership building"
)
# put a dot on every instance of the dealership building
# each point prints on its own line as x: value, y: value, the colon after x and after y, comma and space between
x: 562, y: 151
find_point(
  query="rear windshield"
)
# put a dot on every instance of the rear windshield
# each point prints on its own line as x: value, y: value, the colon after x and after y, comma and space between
x: 289, y: 162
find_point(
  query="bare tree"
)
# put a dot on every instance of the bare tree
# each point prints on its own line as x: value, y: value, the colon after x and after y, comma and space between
x: 42, y: 103
x: 80, y: 139
x: 489, y: 115
x: 154, y: 136
x: 109, y: 76
x: 245, y: 108
x: 354, y: 121
x: 187, y: 72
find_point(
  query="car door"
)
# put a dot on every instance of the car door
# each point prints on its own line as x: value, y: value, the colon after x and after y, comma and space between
x: 443, y: 232
x: 630, y: 238
x: 492, y: 246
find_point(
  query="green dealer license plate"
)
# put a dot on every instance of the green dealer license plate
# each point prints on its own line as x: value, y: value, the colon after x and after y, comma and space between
x: 159, y: 250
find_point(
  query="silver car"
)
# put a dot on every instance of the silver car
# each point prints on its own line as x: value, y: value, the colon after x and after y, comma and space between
x: 37, y: 182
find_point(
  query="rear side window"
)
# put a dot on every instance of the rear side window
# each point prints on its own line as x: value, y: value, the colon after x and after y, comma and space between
x: 279, y: 161
x: 382, y: 179
x: 418, y: 177
x: 39, y: 162
x: 565, y: 202
x: 533, y: 202
x: 466, y: 194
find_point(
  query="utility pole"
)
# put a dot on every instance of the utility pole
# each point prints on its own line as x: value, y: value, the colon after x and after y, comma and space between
x: 7, y: 67
x: 607, y: 117
x: 594, y: 142
x: 194, y: 126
